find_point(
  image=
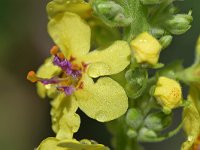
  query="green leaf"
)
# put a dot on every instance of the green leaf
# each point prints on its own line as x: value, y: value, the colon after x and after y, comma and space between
x: 134, y: 118
x: 136, y: 82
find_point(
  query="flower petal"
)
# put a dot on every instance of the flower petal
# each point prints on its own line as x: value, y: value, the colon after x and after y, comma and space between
x: 191, y: 121
x: 65, y: 122
x: 50, y: 144
x: 69, y: 123
x: 104, y: 100
x: 191, y: 126
x: 47, y: 70
x: 109, y: 61
x: 82, y: 145
x: 79, y: 7
x: 70, y: 33
x: 69, y: 144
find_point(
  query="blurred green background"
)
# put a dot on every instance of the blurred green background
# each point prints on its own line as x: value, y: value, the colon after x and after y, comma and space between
x: 24, y: 43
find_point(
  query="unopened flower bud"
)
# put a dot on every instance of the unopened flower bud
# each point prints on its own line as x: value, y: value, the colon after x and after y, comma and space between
x: 111, y: 13
x: 168, y: 93
x: 165, y: 41
x: 131, y: 133
x: 179, y: 23
x: 157, y: 32
x: 136, y: 82
x: 146, y: 134
x: 108, y: 8
x: 134, y: 118
x: 157, y: 121
x: 146, y: 48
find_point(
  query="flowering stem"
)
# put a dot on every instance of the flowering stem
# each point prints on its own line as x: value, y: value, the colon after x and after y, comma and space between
x: 137, y: 13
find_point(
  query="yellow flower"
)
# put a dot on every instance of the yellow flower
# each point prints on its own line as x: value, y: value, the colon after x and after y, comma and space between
x: 74, y: 67
x: 69, y: 144
x: 168, y: 93
x: 146, y: 48
x: 191, y: 118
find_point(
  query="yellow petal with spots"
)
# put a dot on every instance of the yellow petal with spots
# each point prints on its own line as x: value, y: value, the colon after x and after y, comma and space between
x: 111, y: 60
x: 65, y: 122
x: 47, y: 70
x: 70, y: 33
x: 104, y: 100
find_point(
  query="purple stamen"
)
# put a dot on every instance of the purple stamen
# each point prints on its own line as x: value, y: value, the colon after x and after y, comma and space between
x: 72, y: 74
x: 56, y: 61
x: 65, y: 65
x: 67, y: 89
x: 53, y: 80
x: 76, y: 73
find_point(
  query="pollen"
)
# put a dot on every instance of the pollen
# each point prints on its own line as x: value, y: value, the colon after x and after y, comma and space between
x: 32, y: 76
x: 81, y: 85
x: 54, y: 50
x: 61, y: 55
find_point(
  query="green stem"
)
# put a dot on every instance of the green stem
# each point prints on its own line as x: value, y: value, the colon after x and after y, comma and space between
x: 137, y: 12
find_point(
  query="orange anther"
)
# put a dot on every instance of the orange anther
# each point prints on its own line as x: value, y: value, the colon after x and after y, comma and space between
x: 81, y: 85
x: 76, y: 67
x: 32, y: 76
x: 61, y: 55
x: 72, y: 58
x: 54, y: 50
x: 84, y: 66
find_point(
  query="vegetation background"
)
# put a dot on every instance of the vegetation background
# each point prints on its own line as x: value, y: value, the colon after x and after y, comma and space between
x: 24, y: 44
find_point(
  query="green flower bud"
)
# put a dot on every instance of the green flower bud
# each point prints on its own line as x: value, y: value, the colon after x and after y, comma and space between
x: 157, y: 32
x: 179, y: 23
x: 136, y: 82
x: 134, y: 118
x: 157, y: 121
x: 111, y: 13
x: 151, y: 2
x: 131, y: 133
x: 108, y: 8
x: 165, y: 41
x: 146, y: 134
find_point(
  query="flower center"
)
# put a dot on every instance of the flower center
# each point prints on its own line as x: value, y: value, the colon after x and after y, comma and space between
x: 69, y: 79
